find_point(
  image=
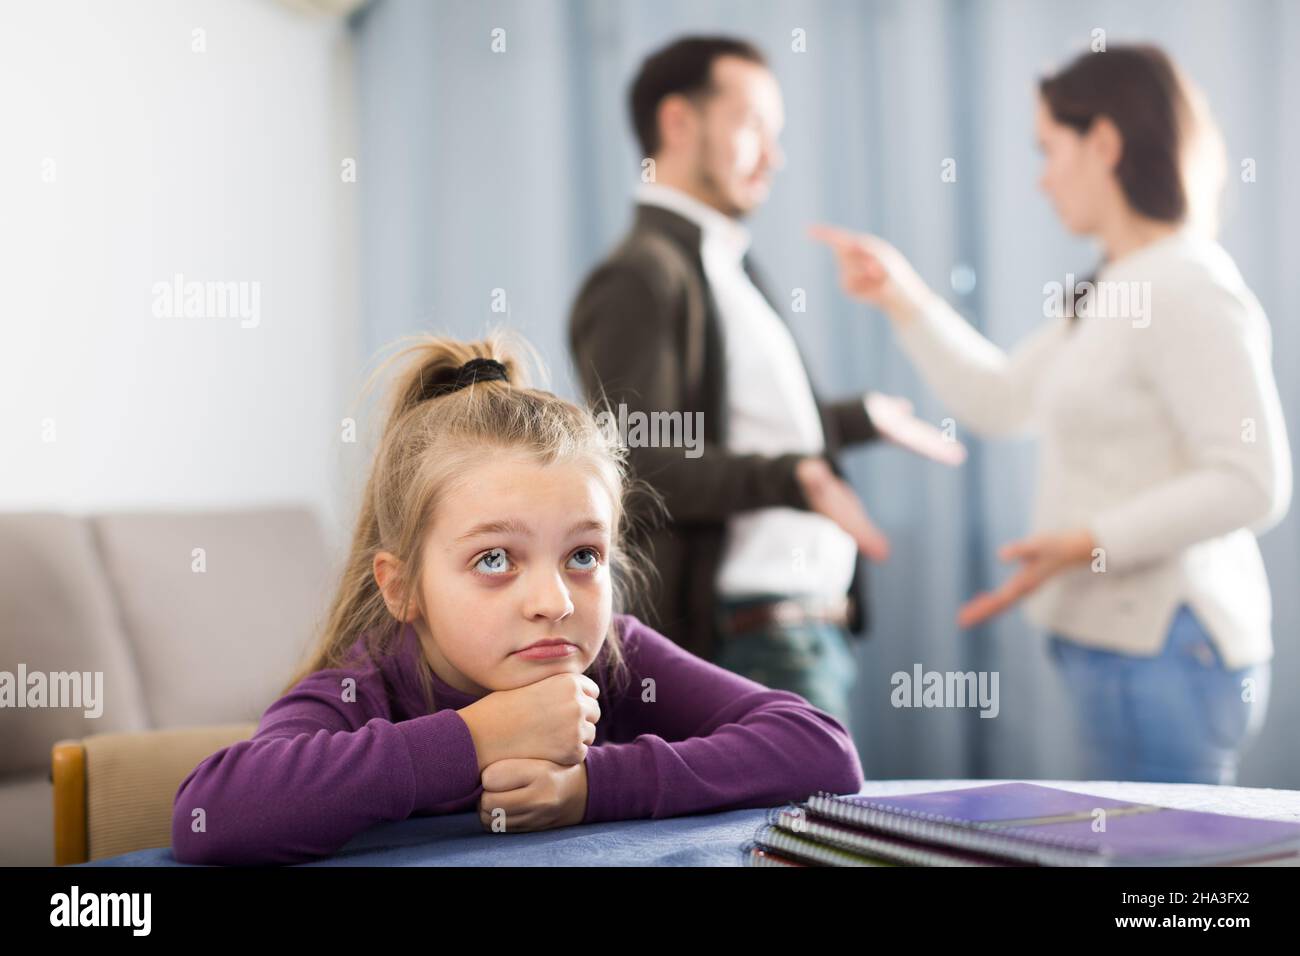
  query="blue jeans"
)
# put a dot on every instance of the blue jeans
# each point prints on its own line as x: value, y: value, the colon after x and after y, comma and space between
x: 812, y: 659
x: 1180, y: 716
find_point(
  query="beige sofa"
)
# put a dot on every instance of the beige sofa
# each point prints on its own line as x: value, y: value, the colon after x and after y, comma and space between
x: 192, y: 618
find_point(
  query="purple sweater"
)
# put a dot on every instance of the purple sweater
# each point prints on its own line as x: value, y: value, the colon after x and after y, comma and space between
x: 321, y: 769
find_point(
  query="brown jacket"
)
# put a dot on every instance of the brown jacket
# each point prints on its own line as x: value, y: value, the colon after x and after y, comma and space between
x: 645, y: 329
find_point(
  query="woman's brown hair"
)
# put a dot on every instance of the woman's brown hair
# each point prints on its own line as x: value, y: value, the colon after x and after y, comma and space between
x: 429, y: 437
x: 1173, y: 163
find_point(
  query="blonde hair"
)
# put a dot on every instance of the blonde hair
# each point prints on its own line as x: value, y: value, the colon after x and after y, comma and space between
x: 429, y: 439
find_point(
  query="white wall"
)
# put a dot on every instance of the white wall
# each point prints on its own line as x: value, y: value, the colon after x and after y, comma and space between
x: 222, y: 165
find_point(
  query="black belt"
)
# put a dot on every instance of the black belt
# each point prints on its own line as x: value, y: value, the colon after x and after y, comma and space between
x: 743, y: 616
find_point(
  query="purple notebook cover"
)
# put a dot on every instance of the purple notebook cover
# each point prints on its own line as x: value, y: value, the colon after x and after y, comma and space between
x: 1135, y: 832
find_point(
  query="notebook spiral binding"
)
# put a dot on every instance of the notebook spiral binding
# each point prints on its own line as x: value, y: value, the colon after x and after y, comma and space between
x: 1016, y: 843
x: 800, y: 851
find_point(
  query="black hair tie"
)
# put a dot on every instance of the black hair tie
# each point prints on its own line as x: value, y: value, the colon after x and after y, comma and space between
x: 475, y: 370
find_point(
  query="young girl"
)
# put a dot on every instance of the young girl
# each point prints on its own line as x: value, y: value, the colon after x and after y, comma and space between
x: 476, y: 656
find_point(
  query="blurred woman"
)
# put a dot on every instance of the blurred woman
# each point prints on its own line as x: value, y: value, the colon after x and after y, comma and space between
x: 1163, y: 444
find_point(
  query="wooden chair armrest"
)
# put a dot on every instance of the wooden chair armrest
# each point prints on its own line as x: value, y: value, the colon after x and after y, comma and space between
x: 113, y: 792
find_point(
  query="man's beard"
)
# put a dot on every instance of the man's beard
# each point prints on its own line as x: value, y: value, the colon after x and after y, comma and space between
x: 711, y: 188
x: 708, y: 185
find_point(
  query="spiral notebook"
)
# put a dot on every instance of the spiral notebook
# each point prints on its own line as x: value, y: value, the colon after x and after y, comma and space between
x: 1011, y: 824
x: 796, y: 838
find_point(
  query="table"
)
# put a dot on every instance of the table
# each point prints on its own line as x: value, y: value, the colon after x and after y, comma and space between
x: 712, y: 839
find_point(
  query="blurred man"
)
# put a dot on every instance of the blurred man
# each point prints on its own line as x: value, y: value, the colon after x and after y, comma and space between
x: 760, y: 563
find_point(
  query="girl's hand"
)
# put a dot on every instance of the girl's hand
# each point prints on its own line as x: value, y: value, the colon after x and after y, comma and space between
x: 873, y: 271
x: 534, y: 795
x: 1042, y: 555
x: 552, y: 719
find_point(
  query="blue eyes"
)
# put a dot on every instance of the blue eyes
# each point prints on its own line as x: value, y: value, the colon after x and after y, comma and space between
x: 495, y: 563
x: 494, y: 560
x: 595, y: 557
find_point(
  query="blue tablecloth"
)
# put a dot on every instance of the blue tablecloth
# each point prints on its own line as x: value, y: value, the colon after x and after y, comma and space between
x: 712, y: 839
x: 460, y: 840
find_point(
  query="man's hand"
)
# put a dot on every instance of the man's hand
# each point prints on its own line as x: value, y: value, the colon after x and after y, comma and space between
x: 893, y: 418
x: 1042, y: 555
x: 533, y: 795
x: 830, y: 495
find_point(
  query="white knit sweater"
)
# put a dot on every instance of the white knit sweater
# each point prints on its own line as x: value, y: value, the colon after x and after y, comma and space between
x: 1162, y: 434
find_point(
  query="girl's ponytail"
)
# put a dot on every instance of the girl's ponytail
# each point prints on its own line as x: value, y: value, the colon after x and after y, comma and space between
x: 430, y: 366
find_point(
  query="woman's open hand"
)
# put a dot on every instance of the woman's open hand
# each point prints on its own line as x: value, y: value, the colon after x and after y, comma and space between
x: 1041, y: 556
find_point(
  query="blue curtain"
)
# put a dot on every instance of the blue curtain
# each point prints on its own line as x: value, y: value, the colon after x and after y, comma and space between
x: 493, y: 179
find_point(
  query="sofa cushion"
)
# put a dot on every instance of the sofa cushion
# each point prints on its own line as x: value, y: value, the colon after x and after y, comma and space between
x: 60, y: 616
x: 219, y: 606
x: 27, y: 820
